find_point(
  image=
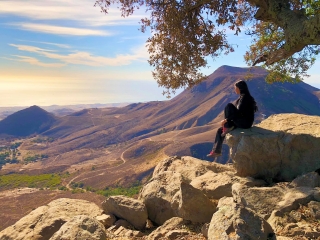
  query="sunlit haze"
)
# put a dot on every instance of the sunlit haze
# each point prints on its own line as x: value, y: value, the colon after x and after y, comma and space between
x: 68, y: 52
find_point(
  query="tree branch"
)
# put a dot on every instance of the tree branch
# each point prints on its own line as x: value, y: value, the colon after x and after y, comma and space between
x: 299, y: 30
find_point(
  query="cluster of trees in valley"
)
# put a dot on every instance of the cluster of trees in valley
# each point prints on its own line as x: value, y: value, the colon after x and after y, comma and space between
x: 9, y: 154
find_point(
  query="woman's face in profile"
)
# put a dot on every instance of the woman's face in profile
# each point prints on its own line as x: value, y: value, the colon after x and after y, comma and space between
x: 236, y: 89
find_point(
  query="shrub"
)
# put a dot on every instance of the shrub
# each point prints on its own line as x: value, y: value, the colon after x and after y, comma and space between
x: 118, y: 190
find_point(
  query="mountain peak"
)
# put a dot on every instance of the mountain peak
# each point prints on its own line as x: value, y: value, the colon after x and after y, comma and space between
x: 226, y: 69
x: 27, y: 121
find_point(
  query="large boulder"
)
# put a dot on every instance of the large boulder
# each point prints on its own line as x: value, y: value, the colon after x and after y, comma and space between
x: 132, y: 210
x: 189, y: 167
x: 192, y: 204
x: 281, y: 147
x: 262, y: 200
x: 81, y: 227
x: 289, y: 210
x: 44, y: 221
x: 157, y: 195
x: 265, y: 200
x: 234, y: 221
x: 218, y: 185
x: 168, y: 175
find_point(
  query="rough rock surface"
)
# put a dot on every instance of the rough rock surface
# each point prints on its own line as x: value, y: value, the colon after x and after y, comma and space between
x: 218, y: 185
x: 106, y: 219
x: 44, y: 221
x: 311, y: 179
x: 189, y: 167
x: 171, y: 229
x: 233, y: 221
x: 263, y: 200
x: 158, y: 193
x: 281, y: 147
x: 81, y: 227
x: 191, y: 204
x: 132, y: 210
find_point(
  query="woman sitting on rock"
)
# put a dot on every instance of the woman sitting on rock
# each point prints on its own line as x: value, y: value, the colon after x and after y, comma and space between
x: 240, y: 115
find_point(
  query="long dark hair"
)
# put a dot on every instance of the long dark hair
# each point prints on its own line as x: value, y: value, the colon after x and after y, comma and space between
x: 244, y: 90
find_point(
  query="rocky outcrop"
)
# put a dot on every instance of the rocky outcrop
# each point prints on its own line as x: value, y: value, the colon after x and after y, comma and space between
x: 281, y: 147
x: 158, y: 194
x: 174, y: 179
x: 234, y: 221
x: 218, y: 185
x: 44, y: 221
x: 263, y: 200
x: 132, y: 210
x: 189, y: 167
x: 249, y: 210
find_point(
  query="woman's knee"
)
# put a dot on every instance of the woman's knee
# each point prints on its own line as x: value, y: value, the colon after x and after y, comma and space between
x: 230, y: 106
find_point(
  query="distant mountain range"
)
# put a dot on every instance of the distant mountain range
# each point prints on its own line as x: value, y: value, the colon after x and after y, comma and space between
x: 199, y: 106
x: 125, y: 143
x: 60, y: 110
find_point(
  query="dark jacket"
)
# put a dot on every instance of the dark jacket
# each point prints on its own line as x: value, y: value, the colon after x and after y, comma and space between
x: 246, y: 107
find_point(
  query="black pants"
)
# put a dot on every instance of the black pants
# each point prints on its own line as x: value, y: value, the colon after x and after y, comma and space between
x: 232, y: 114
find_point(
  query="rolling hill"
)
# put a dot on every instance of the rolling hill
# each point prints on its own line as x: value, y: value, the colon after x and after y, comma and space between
x: 124, y: 144
x: 195, y: 107
x: 102, y: 147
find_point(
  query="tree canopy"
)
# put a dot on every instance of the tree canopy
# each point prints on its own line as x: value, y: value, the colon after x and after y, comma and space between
x: 285, y: 35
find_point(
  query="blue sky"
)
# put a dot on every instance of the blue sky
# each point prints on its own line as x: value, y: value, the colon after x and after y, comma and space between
x: 68, y: 52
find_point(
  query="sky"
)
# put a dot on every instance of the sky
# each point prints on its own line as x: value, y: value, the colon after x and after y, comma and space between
x: 63, y: 52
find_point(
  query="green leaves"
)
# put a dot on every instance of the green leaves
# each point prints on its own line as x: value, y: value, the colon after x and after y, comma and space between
x: 286, y: 36
x: 311, y: 7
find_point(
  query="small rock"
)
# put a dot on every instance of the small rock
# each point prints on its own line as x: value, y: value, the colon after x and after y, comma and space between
x: 132, y: 210
x: 122, y: 223
x: 106, y: 220
x: 311, y: 180
x: 205, y: 229
x: 149, y: 224
x: 174, y: 234
x: 120, y: 231
x: 170, y: 225
x: 314, y: 209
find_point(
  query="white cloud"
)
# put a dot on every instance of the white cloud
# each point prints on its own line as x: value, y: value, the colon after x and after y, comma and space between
x: 49, y: 43
x: 82, y: 11
x: 82, y: 58
x: 30, y: 48
x: 44, y: 28
x: 34, y: 61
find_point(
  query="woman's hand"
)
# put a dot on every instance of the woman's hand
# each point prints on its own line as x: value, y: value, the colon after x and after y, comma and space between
x: 223, y: 122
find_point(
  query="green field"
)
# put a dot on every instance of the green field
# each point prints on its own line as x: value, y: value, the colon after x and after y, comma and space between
x: 32, y: 181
